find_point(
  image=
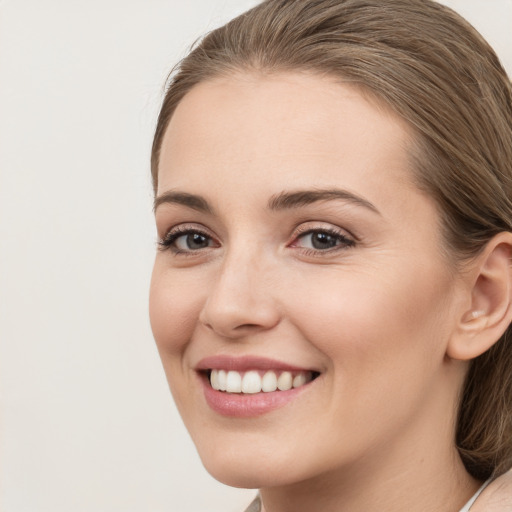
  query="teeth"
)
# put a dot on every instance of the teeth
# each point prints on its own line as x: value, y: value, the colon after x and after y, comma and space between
x: 252, y: 382
x: 214, y: 380
x: 299, y: 380
x: 222, y: 380
x: 285, y: 381
x: 269, y: 382
x: 234, y: 382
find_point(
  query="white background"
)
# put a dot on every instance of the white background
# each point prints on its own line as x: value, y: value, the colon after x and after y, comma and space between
x: 87, y: 423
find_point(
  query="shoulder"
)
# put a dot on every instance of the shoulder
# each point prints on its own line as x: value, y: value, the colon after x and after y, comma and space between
x: 497, y: 496
x: 255, y: 506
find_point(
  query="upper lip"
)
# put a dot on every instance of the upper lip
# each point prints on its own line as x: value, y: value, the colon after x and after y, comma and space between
x: 245, y: 363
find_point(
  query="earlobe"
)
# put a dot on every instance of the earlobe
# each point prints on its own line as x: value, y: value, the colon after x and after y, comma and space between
x: 490, y: 312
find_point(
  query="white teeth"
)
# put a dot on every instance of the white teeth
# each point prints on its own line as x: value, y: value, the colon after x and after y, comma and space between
x: 269, y: 382
x: 222, y: 376
x: 299, y: 380
x: 234, y: 382
x: 285, y: 381
x: 214, y: 379
x: 252, y: 381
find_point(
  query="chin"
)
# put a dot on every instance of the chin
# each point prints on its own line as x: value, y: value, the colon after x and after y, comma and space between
x: 247, y: 475
x: 248, y: 479
x: 249, y: 467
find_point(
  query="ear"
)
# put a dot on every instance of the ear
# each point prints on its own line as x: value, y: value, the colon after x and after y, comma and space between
x: 490, y: 312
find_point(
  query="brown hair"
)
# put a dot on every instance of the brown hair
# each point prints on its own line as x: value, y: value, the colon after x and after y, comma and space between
x: 436, y: 71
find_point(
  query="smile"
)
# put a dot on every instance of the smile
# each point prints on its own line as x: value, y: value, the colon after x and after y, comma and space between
x: 247, y: 387
x: 254, y: 381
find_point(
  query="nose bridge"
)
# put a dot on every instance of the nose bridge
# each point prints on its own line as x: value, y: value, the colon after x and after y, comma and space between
x: 240, y: 299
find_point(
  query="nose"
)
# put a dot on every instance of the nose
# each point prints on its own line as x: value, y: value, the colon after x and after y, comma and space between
x: 241, y: 299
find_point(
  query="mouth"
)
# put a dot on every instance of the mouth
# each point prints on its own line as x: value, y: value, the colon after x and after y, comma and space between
x: 258, y: 381
x: 249, y: 386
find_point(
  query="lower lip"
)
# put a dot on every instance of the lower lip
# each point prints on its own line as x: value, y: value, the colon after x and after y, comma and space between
x: 239, y: 405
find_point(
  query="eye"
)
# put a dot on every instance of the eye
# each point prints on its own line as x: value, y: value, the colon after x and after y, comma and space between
x: 322, y: 240
x: 186, y: 240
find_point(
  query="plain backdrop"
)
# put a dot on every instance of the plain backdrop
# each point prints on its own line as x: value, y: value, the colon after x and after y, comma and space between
x: 86, y: 420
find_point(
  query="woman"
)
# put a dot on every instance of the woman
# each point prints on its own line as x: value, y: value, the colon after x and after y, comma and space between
x: 332, y: 297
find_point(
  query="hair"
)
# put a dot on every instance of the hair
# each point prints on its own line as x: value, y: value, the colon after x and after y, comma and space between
x: 434, y: 70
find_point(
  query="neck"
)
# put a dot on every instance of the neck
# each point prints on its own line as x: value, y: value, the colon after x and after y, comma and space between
x: 446, y: 489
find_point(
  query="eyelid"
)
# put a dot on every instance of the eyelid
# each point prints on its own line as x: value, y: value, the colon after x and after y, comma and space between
x: 182, y: 229
x: 346, y: 238
x: 312, y: 226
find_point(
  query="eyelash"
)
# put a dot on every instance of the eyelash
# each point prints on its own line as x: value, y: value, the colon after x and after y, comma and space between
x: 345, y: 241
x: 168, y: 241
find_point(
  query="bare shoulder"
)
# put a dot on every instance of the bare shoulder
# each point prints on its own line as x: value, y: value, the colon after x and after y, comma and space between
x: 497, y: 497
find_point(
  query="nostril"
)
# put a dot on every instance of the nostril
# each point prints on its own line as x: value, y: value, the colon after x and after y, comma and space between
x: 248, y: 326
x: 232, y: 316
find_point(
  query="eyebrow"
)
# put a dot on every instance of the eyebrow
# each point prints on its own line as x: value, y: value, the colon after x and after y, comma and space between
x: 295, y: 199
x: 281, y: 201
x: 190, y: 200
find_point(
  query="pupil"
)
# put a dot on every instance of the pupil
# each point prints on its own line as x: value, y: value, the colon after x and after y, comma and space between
x: 196, y: 241
x: 323, y: 241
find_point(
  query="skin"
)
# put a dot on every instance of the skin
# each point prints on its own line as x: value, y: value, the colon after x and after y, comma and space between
x: 375, y: 316
x: 497, y: 497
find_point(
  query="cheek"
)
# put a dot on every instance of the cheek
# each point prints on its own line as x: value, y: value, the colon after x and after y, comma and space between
x: 383, y: 342
x: 174, y: 307
x: 366, y: 318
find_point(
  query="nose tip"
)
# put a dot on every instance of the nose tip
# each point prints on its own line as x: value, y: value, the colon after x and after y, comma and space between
x: 239, y: 304
x: 232, y: 324
x: 237, y: 318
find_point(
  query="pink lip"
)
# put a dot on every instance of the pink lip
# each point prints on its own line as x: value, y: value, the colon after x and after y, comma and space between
x: 245, y: 405
x: 245, y: 363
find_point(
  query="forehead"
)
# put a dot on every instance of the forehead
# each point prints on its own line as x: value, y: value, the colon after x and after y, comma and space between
x: 283, y: 129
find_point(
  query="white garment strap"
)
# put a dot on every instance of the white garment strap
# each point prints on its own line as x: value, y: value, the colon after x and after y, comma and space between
x: 469, y: 504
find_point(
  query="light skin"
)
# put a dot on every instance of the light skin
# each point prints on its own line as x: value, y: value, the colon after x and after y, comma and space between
x: 348, y: 279
x: 497, y: 497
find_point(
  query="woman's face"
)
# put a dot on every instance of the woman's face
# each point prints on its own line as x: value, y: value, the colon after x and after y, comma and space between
x: 297, y: 250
